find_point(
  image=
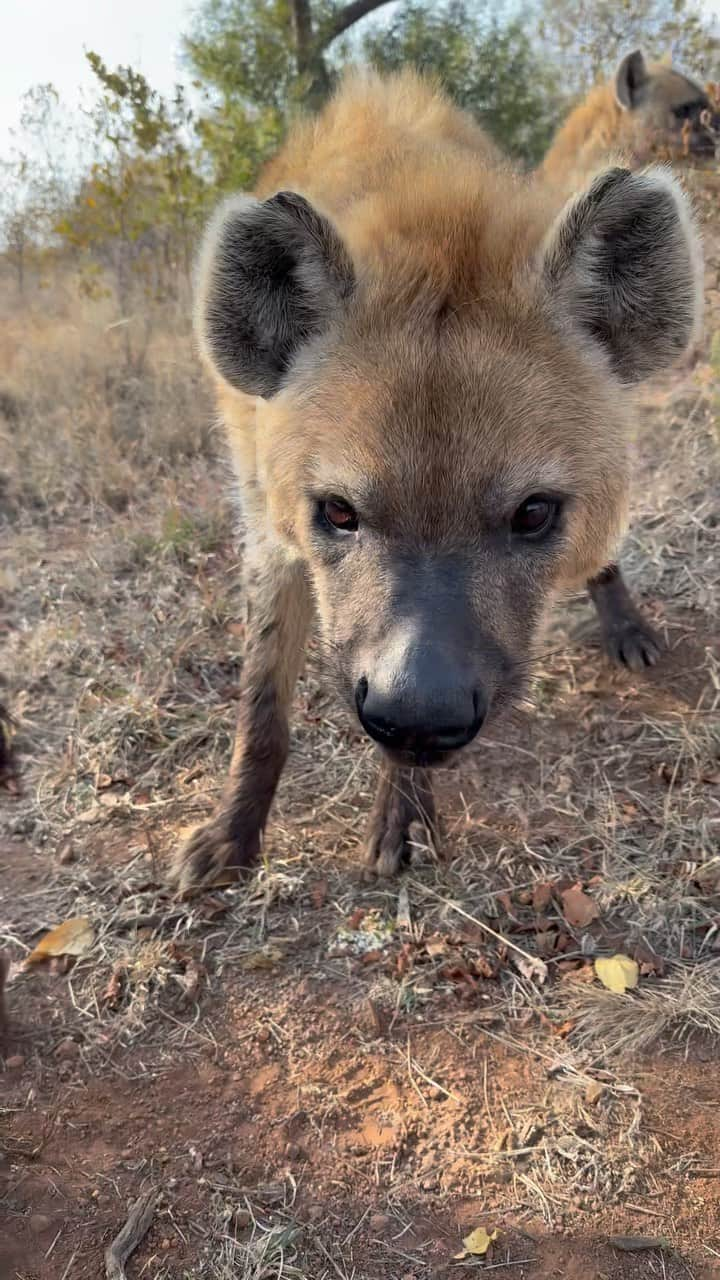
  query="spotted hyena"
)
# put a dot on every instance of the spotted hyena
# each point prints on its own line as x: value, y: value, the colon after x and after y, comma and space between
x: 646, y: 109
x: 425, y: 372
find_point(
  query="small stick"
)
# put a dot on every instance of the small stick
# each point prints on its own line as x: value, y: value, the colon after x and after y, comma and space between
x: 134, y: 1231
x: 4, y: 970
x: 538, y: 965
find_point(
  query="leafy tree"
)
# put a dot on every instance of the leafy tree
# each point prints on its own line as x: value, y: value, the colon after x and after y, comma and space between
x: 258, y: 61
x: 135, y: 210
x: 589, y: 37
x: 33, y: 181
x: 488, y: 64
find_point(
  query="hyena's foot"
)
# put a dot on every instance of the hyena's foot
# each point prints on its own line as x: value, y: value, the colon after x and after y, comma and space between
x: 213, y: 855
x: 626, y: 636
x: 632, y: 642
x: 403, y: 815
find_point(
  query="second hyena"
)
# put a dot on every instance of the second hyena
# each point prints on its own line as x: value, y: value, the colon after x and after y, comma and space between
x: 647, y: 107
x: 424, y: 370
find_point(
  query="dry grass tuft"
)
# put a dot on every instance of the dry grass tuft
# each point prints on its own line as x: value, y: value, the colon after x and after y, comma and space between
x: 679, y: 1007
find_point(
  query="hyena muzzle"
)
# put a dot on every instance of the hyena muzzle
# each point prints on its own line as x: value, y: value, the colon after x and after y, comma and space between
x: 424, y: 370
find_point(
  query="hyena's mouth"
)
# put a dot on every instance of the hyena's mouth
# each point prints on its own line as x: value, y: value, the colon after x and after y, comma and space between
x: 423, y: 759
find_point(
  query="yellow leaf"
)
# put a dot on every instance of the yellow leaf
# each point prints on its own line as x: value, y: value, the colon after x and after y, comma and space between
x: 71, y: 938
x: 268, y: 958
x: 90, y: 202
x: 478, y: 1242
x: 618, y: 973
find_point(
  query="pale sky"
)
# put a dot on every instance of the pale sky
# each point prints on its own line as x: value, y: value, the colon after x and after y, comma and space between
x: 43, y: 40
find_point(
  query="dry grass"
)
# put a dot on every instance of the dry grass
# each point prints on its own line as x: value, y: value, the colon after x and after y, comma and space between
x: 119, y: 601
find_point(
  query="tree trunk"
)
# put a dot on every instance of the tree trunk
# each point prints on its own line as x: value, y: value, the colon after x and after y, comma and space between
x: 310, y: 62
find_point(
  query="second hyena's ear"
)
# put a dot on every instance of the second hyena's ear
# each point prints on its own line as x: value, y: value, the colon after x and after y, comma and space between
x: 623, y: 266
x: 630, y: 79
x: 271, y: 276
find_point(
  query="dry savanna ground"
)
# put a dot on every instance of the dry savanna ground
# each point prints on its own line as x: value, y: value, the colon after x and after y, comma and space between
x: 310, y: 1077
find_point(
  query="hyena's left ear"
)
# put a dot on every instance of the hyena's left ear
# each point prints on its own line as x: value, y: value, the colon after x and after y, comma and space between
x: 272, y: 274
x: 623, y: 266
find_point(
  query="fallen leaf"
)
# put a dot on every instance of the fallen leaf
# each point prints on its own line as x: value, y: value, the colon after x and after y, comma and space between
x: 192, y: 980
x: 635, y: 1244
x: 649, y: 962
x: 405, y: 959
x: 585, y: 973
x: 267, y: 958
x: 477, y: 1243
x: 319, y: 893
x: 436, y: 946
x: 403, y: 919
x: 71, y: 938
x: 113, y: 992
x: 531, y: 967
x: 483, y: 967
x: 542, y: 896
x: 564, y: 1029
x: 109, y: 799
x: 618, y: 973
x: 594, y: 1092
x: 579, y: 908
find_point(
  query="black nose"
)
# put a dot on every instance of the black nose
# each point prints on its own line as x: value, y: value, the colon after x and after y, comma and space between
x: 421, y: 721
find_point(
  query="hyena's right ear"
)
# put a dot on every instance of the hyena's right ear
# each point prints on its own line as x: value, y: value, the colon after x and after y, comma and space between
x: 623, y: 267
x: 271, y: 276
x: 631, y: 79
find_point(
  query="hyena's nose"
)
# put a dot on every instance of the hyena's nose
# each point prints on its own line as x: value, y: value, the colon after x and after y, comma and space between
x: 423, y: 720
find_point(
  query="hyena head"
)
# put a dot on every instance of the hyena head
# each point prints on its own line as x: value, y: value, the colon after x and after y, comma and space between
x: 442, y: 422
x: 667, y: 105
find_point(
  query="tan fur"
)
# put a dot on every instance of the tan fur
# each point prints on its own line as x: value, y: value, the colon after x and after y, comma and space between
x: 599, y: 131
x: 448, y: 370
x: 406, y: 178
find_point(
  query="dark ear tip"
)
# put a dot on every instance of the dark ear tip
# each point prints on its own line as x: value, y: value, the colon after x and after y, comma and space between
x: 606, y: 182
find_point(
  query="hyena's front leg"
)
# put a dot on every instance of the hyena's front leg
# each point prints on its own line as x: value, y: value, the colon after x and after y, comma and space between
x: 279, y: 610
x: 404, y: 799
x: 626, y: 636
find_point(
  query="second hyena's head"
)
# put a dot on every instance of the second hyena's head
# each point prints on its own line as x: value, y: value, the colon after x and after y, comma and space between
x: 666, y: 107
x: 442, y: 422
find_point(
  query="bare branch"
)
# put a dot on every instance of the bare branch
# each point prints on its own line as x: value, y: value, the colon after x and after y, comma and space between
x: 348, y: 16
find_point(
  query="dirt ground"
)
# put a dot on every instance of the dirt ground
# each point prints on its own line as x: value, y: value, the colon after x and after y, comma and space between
x: 308, y: 1076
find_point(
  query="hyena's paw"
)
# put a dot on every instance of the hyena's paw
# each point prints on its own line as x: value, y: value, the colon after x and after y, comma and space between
x: 211, y: 856
x: 631, y: 642
x: 399, y: 823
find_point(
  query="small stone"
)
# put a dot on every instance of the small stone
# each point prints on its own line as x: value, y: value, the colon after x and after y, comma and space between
x: 39, y: 1222
x: 15, y: 1062
x: 165, y: 1244
x: 67, y: 1048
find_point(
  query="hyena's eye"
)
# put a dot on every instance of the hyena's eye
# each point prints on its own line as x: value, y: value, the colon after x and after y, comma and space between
x: 339, y: 515
x: 535, y: 517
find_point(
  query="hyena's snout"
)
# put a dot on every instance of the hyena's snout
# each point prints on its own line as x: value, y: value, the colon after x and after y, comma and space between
x: 421, y: 701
